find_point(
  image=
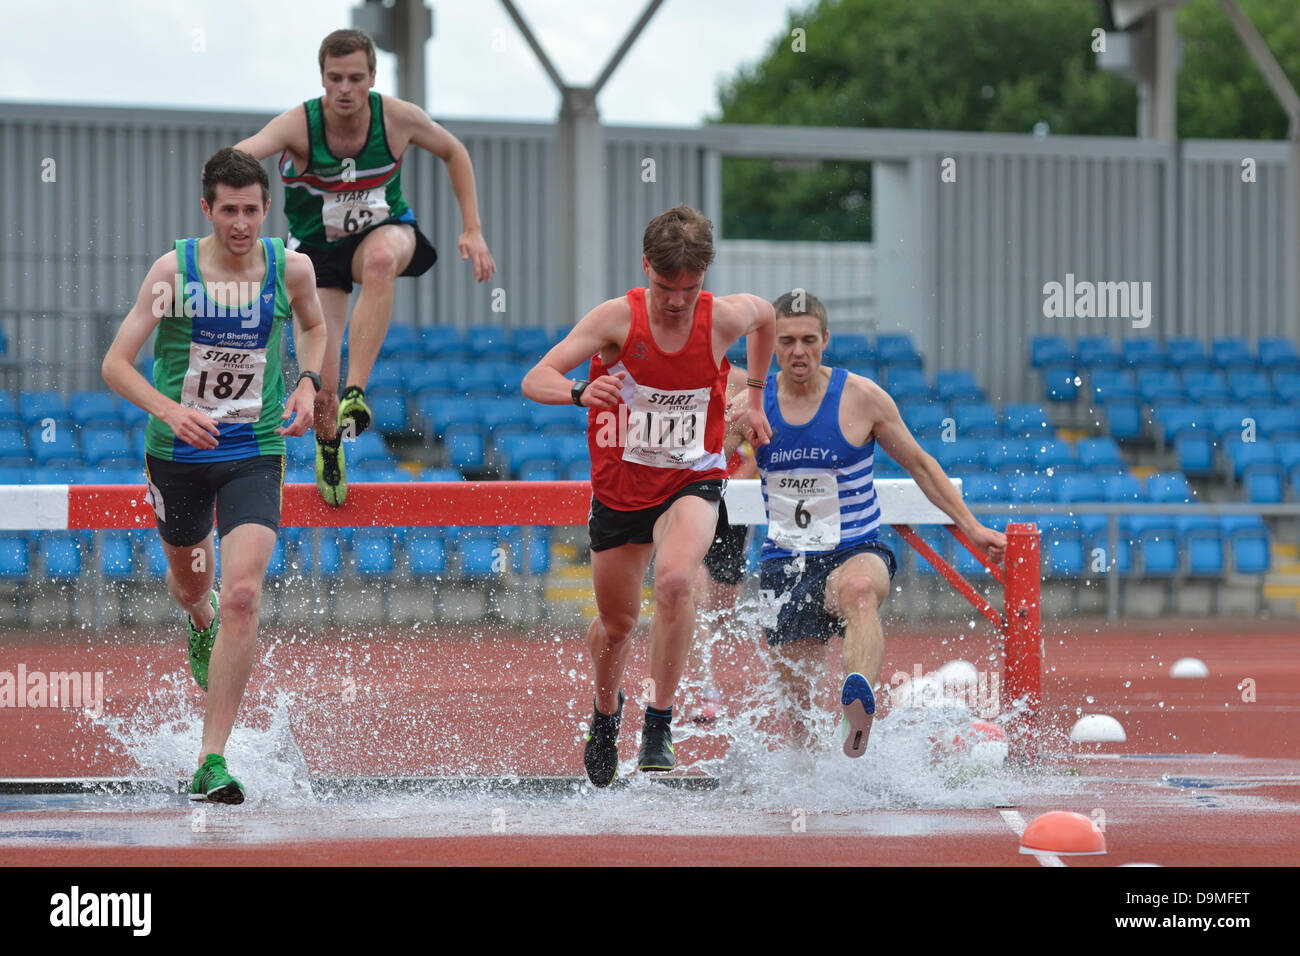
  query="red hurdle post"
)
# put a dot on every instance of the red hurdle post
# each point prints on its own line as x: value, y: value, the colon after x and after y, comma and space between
x: 1024, y: 639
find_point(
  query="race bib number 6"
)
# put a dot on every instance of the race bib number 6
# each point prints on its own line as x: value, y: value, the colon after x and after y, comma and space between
x: 665, y: 427
x: 225, y: 383
x: 803, y: 510
x: 348, y: 213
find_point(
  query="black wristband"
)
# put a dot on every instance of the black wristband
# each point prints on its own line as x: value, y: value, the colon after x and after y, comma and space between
x: 577, y: 390
x: 315, y: 379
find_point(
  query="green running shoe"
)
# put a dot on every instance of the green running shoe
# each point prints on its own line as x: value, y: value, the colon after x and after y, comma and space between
x: 201, y: 644
x: 331, y: 482
x: 354, y: 413
x: 214, y: 784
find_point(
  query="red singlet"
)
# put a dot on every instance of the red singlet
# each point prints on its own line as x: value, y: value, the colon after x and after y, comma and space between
x: 667, y: 430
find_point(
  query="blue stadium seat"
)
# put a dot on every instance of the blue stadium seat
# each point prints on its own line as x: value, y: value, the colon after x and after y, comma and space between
x: 1032, y: 489
x: 441, y: 474
x: 373, y: 552
x: 37, y: 408
x: 508, y: 416
x: 923, y: 420
x: 549, y: 419
x: 62, y: 451
x: 1201, y: 541
x: 389, y: 410
x: 1157, y: 544
x: 1061, y: 383
x: 1123, y: 487
x: 957, y: 385
x: 61, y: 553
x: 438, y: 413
x: 491, y: 342
x: 421, y: 377
x: 539, y: 471
x: 1249, y: 540
x: 897, y: 351
x: 1231, y: 352
x: 1279, y: 354
x: 445, y: 342
x: 17, y: 474
x: 1049, y: 350
x: 1168, y: 487
x: 1107, y: 386
x: 1062, y: 546
x: 13, y: 447
x: 1206, y: 386
x: 985, y: 487
x: 1160, y: 385
x: 976, y: 420
x: 133, y: 416
x: 1096, y: 352
x: 1124, y: 421
x: 849, y: 348
x: 479, y: 556
x: 1009, y: 455
x: 908, y: 384
x: 961, y: 456
x: 530, y: 342
x: 1249, y: 385
x: 474, y: 379
x: 516, y: 451
x: 89, y: 409
x: 1057, y: 455
x: 367, y: 446
x: 1096, y: 535
x: 117, y: 555
x: 1175, y: 421
x: 401, y: 342
x: 1100, y: 454
x: 578, y: 471
x: 385, y: 376
x: 100, y: 446
x: 1245, y: 455
x: 1028, y: 421
x: 15, y: 555
x: 1187, y: 354
x: 464, y: 445
x: 1278, y: 423
x: 1288, y: 458
x: 426, y: 551
x: 1195, y: 454
x: 1287, y: 386
x: 1144, y: 353
x: 1070, y: 488
x: 571, y: 450
x: 9, y: 417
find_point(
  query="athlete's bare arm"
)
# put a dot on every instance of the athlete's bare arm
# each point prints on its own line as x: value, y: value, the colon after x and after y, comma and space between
x: 604, y: 329
x: 870, y: 411
x: 738, y: 316
x: 300, y: 283
x: 286, y: 131
x: 738, y: 430
x: 154, y: 302
x: 414, y: 125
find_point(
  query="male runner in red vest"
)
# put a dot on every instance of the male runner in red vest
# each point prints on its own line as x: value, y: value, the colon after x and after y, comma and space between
x: 657, y: 395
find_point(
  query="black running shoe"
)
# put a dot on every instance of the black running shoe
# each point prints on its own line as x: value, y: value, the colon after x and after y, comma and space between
x: 656, y: 748
x: 600, y: 755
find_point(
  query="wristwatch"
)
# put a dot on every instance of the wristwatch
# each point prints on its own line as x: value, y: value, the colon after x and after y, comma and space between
x: 578, y: 389
x: 315, y: 379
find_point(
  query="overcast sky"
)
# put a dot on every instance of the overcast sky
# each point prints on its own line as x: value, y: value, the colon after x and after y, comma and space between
x: 261, y: 54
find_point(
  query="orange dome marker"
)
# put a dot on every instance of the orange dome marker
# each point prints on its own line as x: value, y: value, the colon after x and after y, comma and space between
x: 1063, y: 833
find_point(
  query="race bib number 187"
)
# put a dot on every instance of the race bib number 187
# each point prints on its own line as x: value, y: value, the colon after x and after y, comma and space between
x: 225, y: 383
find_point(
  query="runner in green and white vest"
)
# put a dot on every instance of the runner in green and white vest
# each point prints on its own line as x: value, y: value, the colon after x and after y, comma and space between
x: 340, y: 157
x: 217, y: 423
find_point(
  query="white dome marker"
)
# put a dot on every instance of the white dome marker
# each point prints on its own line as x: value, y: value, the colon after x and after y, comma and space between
x: 1098, y: 729
x: 1189, y: 667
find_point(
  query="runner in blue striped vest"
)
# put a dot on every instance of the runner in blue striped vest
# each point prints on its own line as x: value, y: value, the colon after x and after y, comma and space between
x: 824, y: 569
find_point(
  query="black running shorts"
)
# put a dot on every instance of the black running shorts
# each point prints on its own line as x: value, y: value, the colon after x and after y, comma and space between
x: 184, y: 494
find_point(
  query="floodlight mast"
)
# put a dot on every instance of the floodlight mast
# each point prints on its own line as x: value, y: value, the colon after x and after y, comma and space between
x: 580, y: 174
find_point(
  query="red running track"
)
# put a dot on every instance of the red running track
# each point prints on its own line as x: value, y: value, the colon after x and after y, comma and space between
x: 1209, y: 775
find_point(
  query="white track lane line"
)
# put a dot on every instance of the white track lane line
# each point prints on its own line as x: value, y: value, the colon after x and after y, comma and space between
x: 1013, y: 819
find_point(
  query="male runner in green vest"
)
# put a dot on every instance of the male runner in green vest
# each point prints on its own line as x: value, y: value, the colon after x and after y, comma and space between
x: 217, y: 424
x: 341, y: 162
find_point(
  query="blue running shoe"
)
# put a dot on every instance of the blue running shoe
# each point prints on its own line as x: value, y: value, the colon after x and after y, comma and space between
x: 859, y: 706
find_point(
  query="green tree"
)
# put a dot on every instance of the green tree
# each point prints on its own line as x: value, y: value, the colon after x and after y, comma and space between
x: 979, y: 65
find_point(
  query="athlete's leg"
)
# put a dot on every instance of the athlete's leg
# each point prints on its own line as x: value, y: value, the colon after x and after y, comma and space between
x: 245, y: 553
x: 616, y: 575
x: 334, y: 307
x: 799, y: 667
x: 855, y: 591
x: 190, y: 573
x: 380, y: 258
x: 682, y: 536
